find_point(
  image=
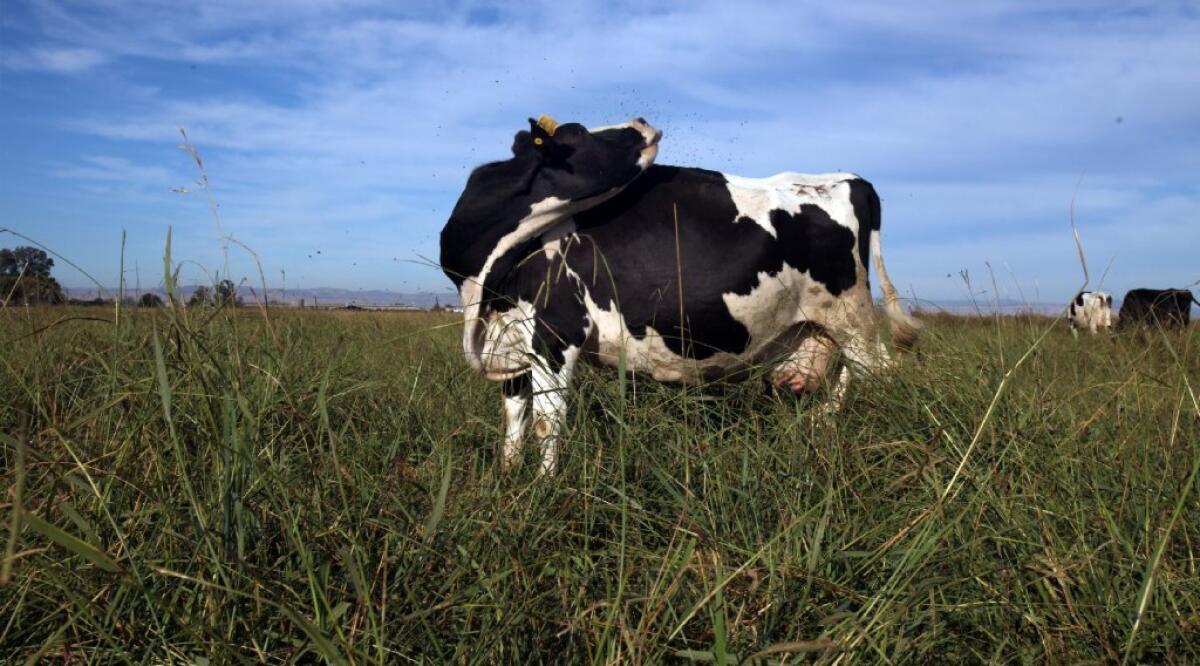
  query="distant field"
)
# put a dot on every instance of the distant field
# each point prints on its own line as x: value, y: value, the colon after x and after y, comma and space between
x: 283, y: 487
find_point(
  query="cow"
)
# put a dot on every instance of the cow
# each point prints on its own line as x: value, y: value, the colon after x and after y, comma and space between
x: 1169, y: 308
x: 579, y: 247
x: 1091, y: 311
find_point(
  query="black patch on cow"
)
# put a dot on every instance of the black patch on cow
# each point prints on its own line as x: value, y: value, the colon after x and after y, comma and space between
x: 868, y: 211
x: 516, y: 386
x: 1169, y: 308
x: 628, y: 247
x: 1079, y: 298
x: 811, y: 241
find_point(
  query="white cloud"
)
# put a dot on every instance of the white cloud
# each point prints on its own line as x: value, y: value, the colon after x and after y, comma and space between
x: 116, y: 169
x: 973, y: 119
x: 59, y: 60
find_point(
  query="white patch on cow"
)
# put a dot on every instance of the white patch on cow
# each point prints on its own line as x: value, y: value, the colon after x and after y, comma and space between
x: 1095, y: 314
x: 649, y: 353
x: 507, y: 338
x: 775, y: 304
x: 552, y: 239
x: 755, y: 198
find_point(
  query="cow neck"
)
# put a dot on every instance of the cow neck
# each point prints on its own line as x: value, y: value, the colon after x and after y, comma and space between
x: 505, y: 241
x: 497, y: 197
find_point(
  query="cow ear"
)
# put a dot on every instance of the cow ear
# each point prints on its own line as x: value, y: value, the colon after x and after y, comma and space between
x: 522, y: 142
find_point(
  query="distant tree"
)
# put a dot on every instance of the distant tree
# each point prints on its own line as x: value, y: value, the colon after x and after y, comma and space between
x: 226, y: 294
x: 25, y: 277
x: 149, y: 300
x: 31, y: 290
x: 201, y: 296
x: 25, y: 260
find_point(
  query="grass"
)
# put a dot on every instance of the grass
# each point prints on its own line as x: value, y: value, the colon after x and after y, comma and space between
x: 288, y: 487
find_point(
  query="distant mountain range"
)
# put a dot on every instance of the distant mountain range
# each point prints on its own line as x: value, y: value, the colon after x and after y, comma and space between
x: 317, y: 296
x: 329, y: 296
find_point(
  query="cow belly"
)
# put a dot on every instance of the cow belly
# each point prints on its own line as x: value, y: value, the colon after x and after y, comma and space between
x: 771, y: 313
x: 651, y: 355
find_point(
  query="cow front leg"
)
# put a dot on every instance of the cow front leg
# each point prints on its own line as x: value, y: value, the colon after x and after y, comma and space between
x: 837, y: 394
x: 516, y: 418
x: 551, y: 380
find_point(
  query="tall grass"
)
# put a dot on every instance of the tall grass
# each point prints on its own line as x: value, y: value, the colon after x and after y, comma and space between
x: 242, y: 486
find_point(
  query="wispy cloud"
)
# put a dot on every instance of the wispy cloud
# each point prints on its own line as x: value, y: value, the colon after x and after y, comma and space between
x: 60, y: 60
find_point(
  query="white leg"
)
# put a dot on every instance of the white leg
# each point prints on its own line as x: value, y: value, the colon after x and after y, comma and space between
x: 837, y: 395
x: 858, y: 351
x: 516, y: 418
x: 550, y: 405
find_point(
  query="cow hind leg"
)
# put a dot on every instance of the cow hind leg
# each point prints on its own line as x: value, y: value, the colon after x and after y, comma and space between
x: 516, y: 418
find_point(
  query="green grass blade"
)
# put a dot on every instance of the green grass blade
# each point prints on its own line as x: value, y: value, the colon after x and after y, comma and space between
x: 72, y: 543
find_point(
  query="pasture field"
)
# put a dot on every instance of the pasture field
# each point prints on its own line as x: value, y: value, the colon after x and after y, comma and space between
x: 243, y: 486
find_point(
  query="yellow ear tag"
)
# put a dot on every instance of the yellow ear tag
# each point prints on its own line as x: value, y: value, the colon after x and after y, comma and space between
x: 537, y: 141
x: 547, y: 124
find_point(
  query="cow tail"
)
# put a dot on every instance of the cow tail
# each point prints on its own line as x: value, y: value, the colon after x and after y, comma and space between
x: 905, y: 328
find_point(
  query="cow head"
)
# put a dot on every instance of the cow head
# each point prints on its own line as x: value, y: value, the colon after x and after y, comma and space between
x: 556, y: 171
x: 576, y: 164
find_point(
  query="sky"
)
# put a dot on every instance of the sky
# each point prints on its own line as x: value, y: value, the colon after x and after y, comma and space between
x: 336, y: 135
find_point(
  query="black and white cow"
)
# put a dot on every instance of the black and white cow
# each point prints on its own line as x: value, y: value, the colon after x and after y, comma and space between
x: 1091, y: 311
x: 577, y: 247
x: 1169, y: 308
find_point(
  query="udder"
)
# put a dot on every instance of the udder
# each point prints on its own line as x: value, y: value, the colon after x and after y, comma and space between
x: 803, y: 371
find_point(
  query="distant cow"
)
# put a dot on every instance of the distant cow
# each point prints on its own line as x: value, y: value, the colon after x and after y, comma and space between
x: 577, y: 247
x: 1169, y: 308
x: 1091, y: 311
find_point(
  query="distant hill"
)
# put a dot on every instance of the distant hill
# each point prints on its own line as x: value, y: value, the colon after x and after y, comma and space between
x: 426, y: 299
x: 318, y: 296
x: 988, y: 306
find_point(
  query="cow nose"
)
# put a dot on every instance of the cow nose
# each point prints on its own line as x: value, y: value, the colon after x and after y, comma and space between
x: 649, y: 133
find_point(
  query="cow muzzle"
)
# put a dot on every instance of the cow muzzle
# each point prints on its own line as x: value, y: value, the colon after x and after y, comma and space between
x: 652, y: 136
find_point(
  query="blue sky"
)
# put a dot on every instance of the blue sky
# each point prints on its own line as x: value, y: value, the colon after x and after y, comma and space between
x: 348, y: 127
